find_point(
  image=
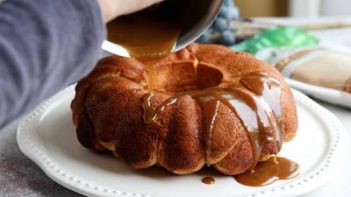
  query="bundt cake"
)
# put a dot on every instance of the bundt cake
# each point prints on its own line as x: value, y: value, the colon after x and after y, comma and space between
x: 207, y: 105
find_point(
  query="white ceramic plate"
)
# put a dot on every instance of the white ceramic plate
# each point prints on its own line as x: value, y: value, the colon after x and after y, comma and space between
x: 47, y: 136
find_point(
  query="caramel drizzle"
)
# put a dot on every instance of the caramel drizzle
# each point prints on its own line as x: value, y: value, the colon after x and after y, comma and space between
x: 209, y: 128
x: 148, y: 35
x: 258, y: 109
x: 267, y: 172
x: 208, y: 180
x: 245, y: 110
x: 269, y: 92
x: 150, y: 113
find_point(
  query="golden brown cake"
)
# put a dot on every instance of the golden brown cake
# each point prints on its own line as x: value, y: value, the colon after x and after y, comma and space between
x: 208, y: 106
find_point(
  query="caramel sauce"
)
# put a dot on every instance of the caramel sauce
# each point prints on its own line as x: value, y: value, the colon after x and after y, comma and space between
x: 267, y: 172
x: 208, y: 180
x: 258, y: 109
x: 269, y: 112
x: 212, y: 114
x: 151, y: 114
x: 148, y: 36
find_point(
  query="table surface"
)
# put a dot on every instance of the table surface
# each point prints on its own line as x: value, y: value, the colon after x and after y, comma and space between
x: 19, y: 176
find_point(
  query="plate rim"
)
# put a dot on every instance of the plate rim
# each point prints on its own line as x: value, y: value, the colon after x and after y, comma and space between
x: 28, y: 144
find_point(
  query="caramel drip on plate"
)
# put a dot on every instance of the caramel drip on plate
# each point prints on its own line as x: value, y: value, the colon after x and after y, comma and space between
x: 258, y: 109
x: 267, y: 172
x: 208, y: 180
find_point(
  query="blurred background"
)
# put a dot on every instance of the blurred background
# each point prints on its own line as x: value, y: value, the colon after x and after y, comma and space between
x: 293, y: 8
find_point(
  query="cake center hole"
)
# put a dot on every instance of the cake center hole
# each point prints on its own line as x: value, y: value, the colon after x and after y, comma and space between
x: 179, y: 77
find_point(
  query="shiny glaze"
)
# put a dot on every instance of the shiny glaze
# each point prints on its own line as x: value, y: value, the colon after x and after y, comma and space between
x: 210, y: 125
x: 147, y: 35
x: 208, y: 180
x: 267, y: 172
x: 257, y: 105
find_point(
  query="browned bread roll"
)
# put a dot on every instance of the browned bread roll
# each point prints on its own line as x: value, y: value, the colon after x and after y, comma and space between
x: 208, y: 105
